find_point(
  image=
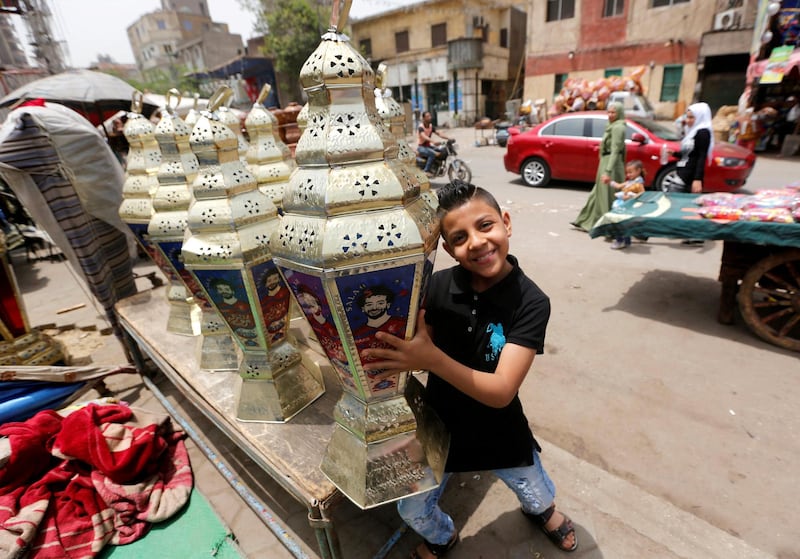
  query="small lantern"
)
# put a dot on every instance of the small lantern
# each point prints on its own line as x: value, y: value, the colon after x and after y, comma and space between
x: 268, y: 158
x: 136, y: 210
x: 226, y: 248
x: 166, y: 230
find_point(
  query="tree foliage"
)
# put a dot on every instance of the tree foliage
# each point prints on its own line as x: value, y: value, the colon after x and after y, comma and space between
x: 293, y: 33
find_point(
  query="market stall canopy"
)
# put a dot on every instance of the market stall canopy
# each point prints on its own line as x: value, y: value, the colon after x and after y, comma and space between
x: 62, y: 171
x: 255, y: 71
x: 791, y: 66
x: 93, y: 94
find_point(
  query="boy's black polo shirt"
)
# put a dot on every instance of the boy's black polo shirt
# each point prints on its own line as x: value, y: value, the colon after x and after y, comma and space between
x: 472, y: 328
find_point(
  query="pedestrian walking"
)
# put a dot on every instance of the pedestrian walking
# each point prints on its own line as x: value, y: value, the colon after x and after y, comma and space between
x: 611, y: 167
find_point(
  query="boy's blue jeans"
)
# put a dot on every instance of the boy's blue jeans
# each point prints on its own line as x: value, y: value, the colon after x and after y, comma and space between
x: 531, y: 484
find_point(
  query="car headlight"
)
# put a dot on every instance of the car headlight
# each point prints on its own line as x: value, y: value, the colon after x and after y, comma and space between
x: 729, y: 162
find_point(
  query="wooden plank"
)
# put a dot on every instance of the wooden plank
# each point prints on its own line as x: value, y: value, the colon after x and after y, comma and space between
x: 289, y: 452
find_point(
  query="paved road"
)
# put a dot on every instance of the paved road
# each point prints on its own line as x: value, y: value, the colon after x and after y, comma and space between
x: 639, y: 379
x: 668, y: 434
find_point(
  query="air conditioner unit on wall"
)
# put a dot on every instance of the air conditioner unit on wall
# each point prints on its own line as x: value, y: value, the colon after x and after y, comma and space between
x: 729, y: 19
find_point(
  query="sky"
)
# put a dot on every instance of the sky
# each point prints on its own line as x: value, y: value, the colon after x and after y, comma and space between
x: 92, y: 27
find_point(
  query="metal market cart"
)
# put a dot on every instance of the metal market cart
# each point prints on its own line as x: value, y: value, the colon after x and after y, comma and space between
x: 760, y: 265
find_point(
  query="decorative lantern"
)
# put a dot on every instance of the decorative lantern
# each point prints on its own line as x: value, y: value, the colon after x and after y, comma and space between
x: 166, y: 230
x: 356, y: 246
x: 228, y: 117
x: 268, y: 158
x: 191, y: 117
x: 226, y: 248
x: 136, y: 210
x: 393, y: 116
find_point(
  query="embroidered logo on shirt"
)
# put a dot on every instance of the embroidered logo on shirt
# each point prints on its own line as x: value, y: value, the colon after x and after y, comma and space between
x: 497, y: 340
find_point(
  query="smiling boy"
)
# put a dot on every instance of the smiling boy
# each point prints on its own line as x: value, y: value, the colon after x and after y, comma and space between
x: 485, y: 321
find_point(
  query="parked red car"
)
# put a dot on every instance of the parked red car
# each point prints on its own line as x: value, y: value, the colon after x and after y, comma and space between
x: 566, y: 147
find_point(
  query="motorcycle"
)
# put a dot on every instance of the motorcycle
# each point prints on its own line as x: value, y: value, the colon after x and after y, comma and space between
x: 446, y: 163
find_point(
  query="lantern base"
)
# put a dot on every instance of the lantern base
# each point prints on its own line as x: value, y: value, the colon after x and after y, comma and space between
x: 375, y: 473
x: 217, y: 352
x: 183, y: 312
x: 276, y: 399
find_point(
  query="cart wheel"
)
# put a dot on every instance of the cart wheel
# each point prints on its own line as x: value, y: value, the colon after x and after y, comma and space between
x: 769, y: 299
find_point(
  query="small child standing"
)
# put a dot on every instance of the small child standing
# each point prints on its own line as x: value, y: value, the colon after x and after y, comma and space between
x: 631, y: 188
x: 483, y: 323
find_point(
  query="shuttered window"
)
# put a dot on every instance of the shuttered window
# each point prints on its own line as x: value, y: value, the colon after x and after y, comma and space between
x: 671, y: 86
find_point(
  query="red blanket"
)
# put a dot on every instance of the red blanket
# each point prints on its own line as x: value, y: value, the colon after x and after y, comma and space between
x: 102, y: 474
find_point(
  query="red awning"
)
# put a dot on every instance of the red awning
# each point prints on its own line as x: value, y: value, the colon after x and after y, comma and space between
x: 756, y: 69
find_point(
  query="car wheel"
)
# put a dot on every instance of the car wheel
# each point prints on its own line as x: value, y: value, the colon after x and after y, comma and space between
x: 535, y: 172
x: 666, y: 178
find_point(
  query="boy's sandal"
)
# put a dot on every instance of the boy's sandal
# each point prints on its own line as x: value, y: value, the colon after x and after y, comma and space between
x: 557, y: 535
x: 437, y: 550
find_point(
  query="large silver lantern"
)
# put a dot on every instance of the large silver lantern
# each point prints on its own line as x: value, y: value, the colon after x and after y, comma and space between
x: 226, y: 248
x: 356, y: 246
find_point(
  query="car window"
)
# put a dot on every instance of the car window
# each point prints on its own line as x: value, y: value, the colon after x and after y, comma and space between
x: 629, y: 131
x: 564, y: 127
x: 598, y: 127
x: 664, y: 130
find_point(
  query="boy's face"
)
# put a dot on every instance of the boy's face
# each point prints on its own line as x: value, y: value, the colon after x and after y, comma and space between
x: 476, y: 235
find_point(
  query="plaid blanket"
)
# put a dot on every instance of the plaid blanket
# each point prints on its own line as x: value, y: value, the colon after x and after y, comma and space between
x: 102, y: 474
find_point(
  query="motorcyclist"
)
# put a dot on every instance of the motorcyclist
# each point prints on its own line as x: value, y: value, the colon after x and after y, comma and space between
x: 425, y: 147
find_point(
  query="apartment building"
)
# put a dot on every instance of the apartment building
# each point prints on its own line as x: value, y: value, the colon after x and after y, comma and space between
x: 181, y: 35
x: 11, y: 51
x: 691, y: 49
x: 460, y: 59
x: 470, y: 57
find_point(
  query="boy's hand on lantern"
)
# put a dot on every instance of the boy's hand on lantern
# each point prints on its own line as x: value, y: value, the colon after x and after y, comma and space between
x: 418, y: 353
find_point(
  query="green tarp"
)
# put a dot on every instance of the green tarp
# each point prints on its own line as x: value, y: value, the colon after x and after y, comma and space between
x: 675, y: 216
x: 196, y: 532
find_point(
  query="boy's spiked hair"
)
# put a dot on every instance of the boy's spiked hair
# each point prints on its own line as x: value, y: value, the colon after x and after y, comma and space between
x: 457, y: 193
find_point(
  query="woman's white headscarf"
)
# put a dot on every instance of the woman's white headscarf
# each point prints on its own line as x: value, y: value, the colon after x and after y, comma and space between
x: 702, y: 120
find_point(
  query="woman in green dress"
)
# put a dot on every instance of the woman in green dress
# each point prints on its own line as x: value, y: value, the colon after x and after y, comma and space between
x: 611, y: 168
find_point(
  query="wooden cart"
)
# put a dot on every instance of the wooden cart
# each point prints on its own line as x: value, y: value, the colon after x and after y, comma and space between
x: 760, y: 266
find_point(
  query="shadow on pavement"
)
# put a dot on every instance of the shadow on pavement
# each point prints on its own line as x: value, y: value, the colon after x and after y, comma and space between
x: 683, y: 301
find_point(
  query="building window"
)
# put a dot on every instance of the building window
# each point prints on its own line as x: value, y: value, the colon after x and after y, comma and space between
x: 660, y: 3
x: 612, y: 72
x: 504, y: 37
x: 613, y: 8
x: 161, y: 24
x: 671, y: 86
x: 559, y: 83
x: 365, y: 45
x: 438, y: 34
x: 401, y: 41
x: 187, y: 25
x: 560, y: 9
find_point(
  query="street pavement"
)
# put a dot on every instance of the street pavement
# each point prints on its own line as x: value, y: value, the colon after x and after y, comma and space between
x: 657, y: 427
